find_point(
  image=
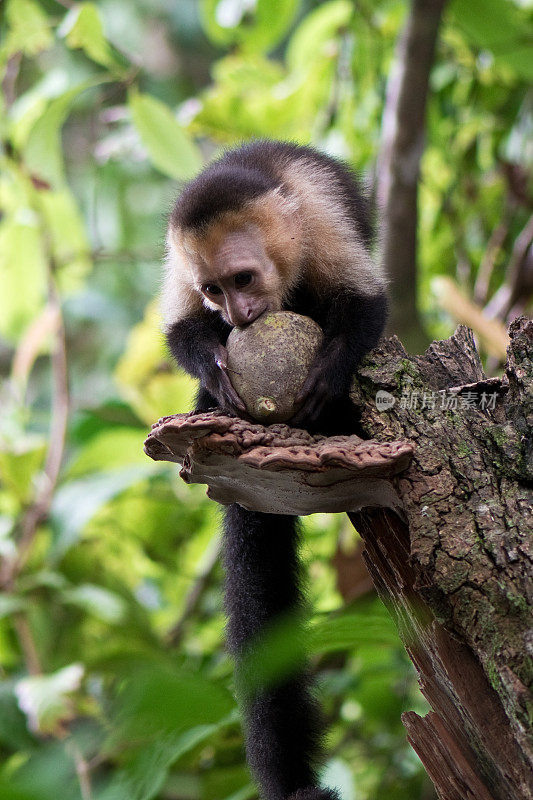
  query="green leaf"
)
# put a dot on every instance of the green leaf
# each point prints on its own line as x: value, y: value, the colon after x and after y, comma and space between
x: 30, y: 105
x: 110, y: 449
x: 347, y: 631
x: 13, y: 728
x: 277, y: 653
x: 169, y: 148
x: 28, y: 29
x: 9, y: 604
x: 43, y: 151
x: 221, y: 18
x: 110, y: 415
x: 45, y: 698
x: 488, y: 22
x: 280, y: 650
x: 247, y: 792
x: 259, y: 27
x: 76, y: 502
x: 46, y: 772
x: 316, y: 29
x: 68, y: 238
x: 23, y: 273
x: 83, y: 29
x: 144, y: 777
x: 144, y: 350
x: 19, y: 464
x: 156, y: 699
x: 273, y: 19
x: 151, y: 392
x: 43, y: 579
x: 498, y: 26
x: 107, y: 606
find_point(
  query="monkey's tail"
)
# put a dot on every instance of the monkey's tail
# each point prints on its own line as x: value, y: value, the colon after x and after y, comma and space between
x: 283, y: 725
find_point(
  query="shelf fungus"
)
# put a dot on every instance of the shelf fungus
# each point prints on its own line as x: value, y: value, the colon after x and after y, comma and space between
x: 279, y: 469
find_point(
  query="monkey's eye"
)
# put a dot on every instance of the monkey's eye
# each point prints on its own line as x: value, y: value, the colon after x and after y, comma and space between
x: 242, y: 279
x: 211, y: 288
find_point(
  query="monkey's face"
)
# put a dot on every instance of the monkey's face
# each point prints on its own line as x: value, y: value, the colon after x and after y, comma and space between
x: 236, y: 277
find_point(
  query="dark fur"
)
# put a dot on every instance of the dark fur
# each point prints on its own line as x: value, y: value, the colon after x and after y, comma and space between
x: 283, y: 724
x: 221, y: 187
x: 248, y: 171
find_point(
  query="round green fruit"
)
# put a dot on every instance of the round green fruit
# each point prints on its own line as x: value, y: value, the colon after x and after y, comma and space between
x: 269, y: 360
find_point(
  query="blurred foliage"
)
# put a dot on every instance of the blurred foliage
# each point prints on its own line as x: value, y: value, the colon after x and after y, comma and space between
x: 104, y: 106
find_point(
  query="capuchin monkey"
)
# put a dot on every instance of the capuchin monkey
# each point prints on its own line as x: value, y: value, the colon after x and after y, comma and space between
x: 273, y: 226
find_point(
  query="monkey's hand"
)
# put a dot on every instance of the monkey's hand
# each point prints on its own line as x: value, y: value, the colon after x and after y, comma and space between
x: 218, y: 384
x: 327, y: 380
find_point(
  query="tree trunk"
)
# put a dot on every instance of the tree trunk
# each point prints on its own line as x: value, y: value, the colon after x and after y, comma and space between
x: 447, y: 541
x: 403, y: 138
x: 457, y: 572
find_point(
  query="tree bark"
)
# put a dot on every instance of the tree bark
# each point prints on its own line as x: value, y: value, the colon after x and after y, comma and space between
x: 457, y: 573
x: 442, y: 495
x: 399, y: 164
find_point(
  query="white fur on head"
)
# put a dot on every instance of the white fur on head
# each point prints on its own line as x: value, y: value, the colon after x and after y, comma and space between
x: 335, y: 252
x: 179, y: 297
x: 303, y: 224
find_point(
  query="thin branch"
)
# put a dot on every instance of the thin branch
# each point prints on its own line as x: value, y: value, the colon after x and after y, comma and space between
x: 30, y: 345
x: 341, y: 79
x: 366, y: 13
x: 463, y: 269
x: 27, y: 644
x: 39, y: 509
x: 196, y: 592
x: 510, y: 292
x: 521, y: 246
x: 9, y: 84
x: 60, y: 400
x: 486, y: 268
x: 491, y: 332
x: 83, y: 771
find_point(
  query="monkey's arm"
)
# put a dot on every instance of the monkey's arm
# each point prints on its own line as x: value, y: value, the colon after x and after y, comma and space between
x: 197, y: 344
x: 352, y: 326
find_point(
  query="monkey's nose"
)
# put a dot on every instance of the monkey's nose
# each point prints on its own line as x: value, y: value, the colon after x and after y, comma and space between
x: 252, y: 315
x: 240, y: 321
x: 246, y: 318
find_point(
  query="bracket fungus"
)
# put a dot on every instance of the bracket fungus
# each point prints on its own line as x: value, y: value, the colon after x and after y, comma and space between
x: 279, y: 469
